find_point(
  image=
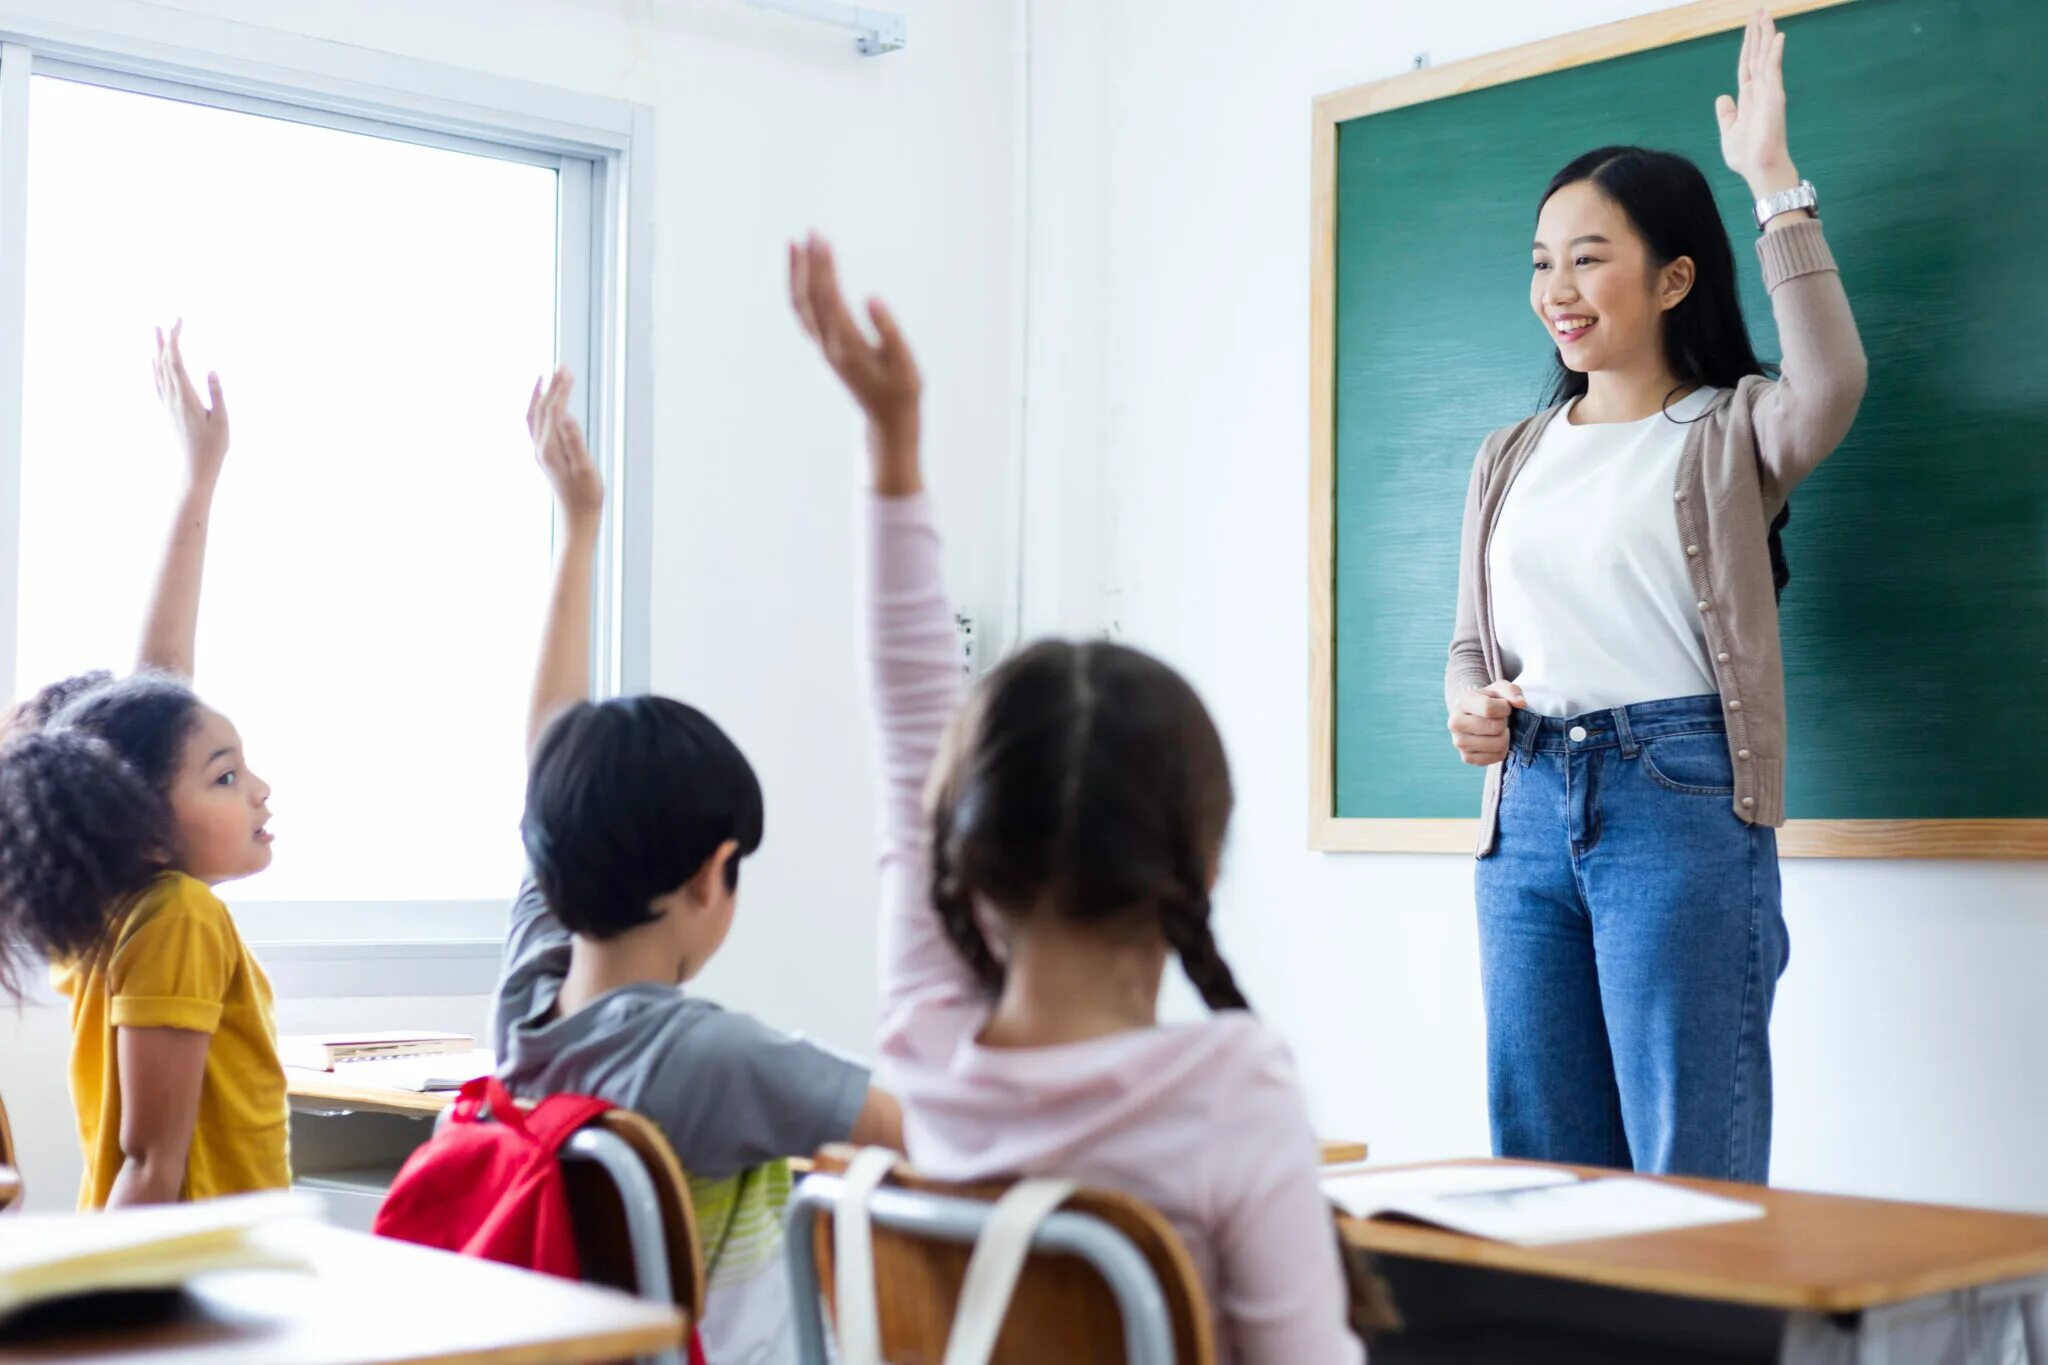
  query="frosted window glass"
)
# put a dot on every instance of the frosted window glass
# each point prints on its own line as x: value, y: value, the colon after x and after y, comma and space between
x: 377, y: 311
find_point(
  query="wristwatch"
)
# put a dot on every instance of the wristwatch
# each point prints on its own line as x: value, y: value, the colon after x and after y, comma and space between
x: 1800, y: 196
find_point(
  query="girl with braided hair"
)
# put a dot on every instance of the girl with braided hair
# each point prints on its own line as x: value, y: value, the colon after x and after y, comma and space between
x: 123, y: 803
x: 1065, y: 849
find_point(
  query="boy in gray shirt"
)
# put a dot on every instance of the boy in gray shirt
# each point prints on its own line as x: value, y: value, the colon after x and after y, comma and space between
x: 638, y: 812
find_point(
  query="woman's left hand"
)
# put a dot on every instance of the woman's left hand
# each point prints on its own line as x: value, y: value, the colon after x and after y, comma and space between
x: 1753, y: 122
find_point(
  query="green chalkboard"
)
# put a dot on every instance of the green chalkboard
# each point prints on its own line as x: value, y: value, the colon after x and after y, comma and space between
x: 1916, y: 624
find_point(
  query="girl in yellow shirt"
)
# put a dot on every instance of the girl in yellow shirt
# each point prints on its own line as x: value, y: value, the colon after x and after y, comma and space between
x: 122, y: 804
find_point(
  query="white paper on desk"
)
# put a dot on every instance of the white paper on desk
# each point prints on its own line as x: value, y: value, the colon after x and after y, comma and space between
x: 1362, y: 1194
x: 444, y: 1071
x: 1571, y: 1210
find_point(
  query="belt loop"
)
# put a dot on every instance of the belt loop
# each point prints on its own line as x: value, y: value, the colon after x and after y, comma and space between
x: 1629, y: 747
x: 1532, y: 726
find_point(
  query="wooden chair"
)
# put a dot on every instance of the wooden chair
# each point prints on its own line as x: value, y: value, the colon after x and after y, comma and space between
x: 8, y: 1196
x: 636, y: 1229
x: 1064, y: 1308
x: 6, y: 1137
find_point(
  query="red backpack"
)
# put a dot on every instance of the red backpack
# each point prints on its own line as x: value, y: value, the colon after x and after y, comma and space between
x: 495, y: 1189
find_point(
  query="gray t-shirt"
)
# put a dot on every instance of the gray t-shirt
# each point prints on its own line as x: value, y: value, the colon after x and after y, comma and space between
x: 729, y: 1092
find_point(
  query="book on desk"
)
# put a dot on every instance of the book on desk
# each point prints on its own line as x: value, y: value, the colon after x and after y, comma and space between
x: 49, y: 1256
x: 1530, y: 1205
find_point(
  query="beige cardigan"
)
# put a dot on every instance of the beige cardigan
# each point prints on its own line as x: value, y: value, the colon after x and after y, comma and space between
x: 1741, y: 461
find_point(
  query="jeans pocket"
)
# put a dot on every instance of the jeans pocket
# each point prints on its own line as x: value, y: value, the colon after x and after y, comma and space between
x: 1692, y: 765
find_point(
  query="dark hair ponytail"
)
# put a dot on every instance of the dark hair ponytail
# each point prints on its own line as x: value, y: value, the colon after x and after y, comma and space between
x: 1705, y: 339
x: 1090, y: 783
x: 85, y: 815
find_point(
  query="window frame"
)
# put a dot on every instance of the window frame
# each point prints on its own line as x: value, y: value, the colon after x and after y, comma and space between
x: 602, y: 150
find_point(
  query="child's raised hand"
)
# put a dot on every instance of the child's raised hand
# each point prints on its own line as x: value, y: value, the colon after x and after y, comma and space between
x: 881, y: 374
x: 559, y: 450
x: 202, y: 425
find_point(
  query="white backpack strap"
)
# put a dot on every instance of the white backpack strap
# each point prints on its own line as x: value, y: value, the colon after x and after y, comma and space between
x: 993, y: 1269
x: 860, y: 1324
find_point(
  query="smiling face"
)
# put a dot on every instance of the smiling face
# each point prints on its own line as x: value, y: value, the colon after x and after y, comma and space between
x: 1594, y: 285
x: 220, y: 806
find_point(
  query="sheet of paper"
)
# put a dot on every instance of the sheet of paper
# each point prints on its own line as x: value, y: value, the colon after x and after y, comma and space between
x: 1365, y: 1193
x: 1623, y: 1206
x: 446, y: 1071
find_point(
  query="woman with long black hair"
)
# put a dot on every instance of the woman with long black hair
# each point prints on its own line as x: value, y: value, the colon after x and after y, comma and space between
x: 1616, y: 663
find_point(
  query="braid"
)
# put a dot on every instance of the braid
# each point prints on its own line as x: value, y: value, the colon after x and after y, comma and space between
x: 955, y: 908
x: 1186, y: 925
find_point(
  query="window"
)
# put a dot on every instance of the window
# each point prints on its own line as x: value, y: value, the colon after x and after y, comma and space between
x: 377, y: 297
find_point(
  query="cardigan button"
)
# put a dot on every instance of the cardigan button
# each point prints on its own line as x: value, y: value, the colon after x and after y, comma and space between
x: 1742, y: 753
x: 1734, y: 706
x: 1749, y: 800
x: 1692, y: 549
x: 1722, y: 656
x: 1706, y: 606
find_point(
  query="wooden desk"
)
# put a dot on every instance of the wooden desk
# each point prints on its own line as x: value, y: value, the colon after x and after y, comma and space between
x: 372, y: 1301
x: 323, y: 1092
x: 10, y: 1186
x: 349, y: 1139
x: 1811, y: 1256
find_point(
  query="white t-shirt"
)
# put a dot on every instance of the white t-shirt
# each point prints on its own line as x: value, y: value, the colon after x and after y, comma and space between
x: 1591, y: 603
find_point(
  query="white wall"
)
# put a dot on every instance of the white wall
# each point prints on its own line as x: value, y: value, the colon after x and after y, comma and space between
x: 766, y: 126
x: 1910, y: 1029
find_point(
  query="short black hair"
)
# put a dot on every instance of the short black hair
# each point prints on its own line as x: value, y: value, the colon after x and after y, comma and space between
x: 625, y: 801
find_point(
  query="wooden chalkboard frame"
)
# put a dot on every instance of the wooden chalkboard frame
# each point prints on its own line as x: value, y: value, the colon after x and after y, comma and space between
x: 1327, y: 831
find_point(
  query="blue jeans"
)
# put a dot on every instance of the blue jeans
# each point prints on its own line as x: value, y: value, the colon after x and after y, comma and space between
x: 1630, y: 942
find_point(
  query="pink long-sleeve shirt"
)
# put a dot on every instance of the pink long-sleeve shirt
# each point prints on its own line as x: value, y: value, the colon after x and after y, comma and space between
x: 1203, y: 1121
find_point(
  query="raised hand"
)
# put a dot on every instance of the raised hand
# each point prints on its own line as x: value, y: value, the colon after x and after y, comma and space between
x: 881, y: 373
x: 1753, y: 121
x: 559, y: 450
x: 201, y: 425
x: 562, y: 675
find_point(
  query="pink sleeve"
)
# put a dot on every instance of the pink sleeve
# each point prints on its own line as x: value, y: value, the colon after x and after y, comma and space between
x: 1280, y: 1290
x: 930, y: 999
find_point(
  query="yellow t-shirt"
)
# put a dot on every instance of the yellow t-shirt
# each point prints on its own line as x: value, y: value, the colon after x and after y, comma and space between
x: 173, y: 960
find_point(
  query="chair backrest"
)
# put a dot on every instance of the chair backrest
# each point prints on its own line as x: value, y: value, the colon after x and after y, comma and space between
x: 636, y: 1228
x: 7, y: 1159
x: 1065, y: 1308
x: 630, y: 1202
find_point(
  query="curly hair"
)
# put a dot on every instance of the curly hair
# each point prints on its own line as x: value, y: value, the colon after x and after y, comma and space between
x: 38, y: 711
x: 85, y: 813
x: 1090, y: 779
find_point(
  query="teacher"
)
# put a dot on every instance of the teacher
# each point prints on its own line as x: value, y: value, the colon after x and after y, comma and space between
x: 1616, y: 664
